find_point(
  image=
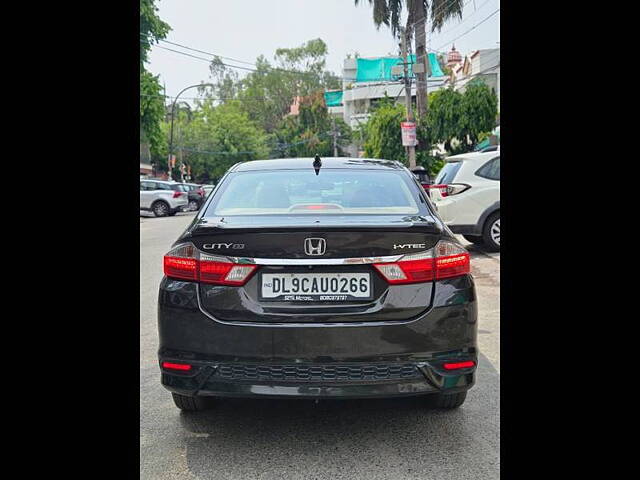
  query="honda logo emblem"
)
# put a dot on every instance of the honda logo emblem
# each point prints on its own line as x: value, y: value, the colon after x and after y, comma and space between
x: 315, y: 246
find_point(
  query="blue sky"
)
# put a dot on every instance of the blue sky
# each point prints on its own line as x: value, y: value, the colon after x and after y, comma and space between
x: 244, y: 29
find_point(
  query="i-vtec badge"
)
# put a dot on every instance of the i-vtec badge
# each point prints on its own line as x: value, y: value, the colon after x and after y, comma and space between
x: 212, y: 246
x: 408, y: 245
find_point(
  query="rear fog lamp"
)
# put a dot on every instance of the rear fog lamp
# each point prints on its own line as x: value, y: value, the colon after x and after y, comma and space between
x: 459, y: 365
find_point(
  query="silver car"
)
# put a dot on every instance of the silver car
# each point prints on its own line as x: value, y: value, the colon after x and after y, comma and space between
x: 162, y: 198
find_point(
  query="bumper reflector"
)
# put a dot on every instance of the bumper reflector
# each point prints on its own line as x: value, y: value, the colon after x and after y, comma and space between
x: 176, y: 366
x: 458, y: 365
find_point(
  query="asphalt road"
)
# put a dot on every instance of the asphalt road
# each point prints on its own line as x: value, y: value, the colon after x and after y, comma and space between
x: 355, y: 439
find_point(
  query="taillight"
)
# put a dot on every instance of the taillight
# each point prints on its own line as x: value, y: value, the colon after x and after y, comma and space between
x: 456, y: 188
x: 186, y: 262
x: 445, y: 260
x: 176, y: 194
x: 220, y: 271
x: 442, y: 188
x: 181, y: 262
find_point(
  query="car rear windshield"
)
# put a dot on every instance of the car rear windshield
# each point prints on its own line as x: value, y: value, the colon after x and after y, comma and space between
x: 337, y: 191
x: 447, y: 173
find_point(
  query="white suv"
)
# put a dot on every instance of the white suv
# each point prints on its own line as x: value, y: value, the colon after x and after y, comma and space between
x: 466, y: 193
x: 162, y: 198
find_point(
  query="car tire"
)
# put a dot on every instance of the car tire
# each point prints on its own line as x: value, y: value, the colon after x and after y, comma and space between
x: 189, y: 404
x: 160, y: 208
x: 491, y: 232
x: 193, y: 206
x: 475, y: 239
x: 448, y: 401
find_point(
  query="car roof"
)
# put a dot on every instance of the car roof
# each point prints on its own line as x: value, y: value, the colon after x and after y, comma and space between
x: 327, y: 162
x: 158, y: 181
x: 472, y: 156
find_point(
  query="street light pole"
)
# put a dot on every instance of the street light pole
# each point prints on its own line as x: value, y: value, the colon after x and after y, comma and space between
x: 173, y: 106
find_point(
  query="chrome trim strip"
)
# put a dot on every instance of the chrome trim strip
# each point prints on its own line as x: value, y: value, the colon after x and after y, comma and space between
x: 317, y: 261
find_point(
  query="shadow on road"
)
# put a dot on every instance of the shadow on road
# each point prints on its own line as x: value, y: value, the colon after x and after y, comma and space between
x: 391, y: 438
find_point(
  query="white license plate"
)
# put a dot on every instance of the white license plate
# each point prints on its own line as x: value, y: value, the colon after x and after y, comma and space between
x: 315, y: 286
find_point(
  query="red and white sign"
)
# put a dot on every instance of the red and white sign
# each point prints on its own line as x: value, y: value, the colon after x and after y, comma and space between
x: 409, y: 138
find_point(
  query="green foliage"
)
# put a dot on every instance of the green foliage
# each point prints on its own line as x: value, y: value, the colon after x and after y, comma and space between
x: 389, y: 12
x: 479, y: 111
x: 152, y: 29
x: 226, y: 129
x: 384, y: 137
x: 458, y: 120
x: 308, y: 132
x: 383, y: 133
x: 151, y: 113
x: 267, y: 94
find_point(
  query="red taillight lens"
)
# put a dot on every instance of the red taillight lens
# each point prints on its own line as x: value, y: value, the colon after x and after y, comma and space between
x: 181, y: 263
x: 451, y: 260
x: 176, y: 194
x: 411, y: 269
x: 185, y: 262
x: 458, y: 365
x: 176, y: 366
x: 215, y: 270
x: 445, y: 260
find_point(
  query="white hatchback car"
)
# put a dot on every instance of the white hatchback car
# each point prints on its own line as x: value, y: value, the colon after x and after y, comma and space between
x: 466, y: 193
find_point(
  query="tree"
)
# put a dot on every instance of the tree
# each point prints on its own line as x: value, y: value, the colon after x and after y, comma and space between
x: 307, y: 133
x: 443, y: 118
x: 458, y: 120
x: 219, y: 136
x: 388, y: 12
x: 384, y: 139
x: 479, y: 111
x: 152, y: 29
x: 267, y: 94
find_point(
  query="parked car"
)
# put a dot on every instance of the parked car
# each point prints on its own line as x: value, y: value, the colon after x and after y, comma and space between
x: 195, y: 194
x: 343, y: 283
x: 466, y: 193
x: 208, y: 189
x: 162, y: 198
x: 423, y: 177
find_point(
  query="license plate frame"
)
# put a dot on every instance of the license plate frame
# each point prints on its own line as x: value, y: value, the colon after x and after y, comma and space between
x: 319, y: 297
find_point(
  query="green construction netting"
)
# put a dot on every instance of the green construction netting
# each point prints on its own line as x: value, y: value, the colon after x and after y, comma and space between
x: 379, y: 69
x: 333, y: 99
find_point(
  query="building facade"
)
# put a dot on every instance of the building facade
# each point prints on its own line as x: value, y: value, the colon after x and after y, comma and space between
x: 482, y: 64
x: 366, y: 81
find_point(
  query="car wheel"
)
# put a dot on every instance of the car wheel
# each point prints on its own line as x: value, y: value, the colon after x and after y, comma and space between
x: 476, y: 239
x: 189, y: 404
x: 448, y: 401
x: 160, y: 209
x: 491, y: 233
x: 193, y: 206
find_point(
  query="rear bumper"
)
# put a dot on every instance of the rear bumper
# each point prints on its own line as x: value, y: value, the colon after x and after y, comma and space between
x: 205, y: 380
x: 446, y: 332
x: 466, y: 229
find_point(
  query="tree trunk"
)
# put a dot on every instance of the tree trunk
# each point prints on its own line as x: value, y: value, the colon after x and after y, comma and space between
x: 421, y: 58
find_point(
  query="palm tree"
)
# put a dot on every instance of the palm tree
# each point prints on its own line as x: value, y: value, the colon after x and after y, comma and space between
x: 389, y: 11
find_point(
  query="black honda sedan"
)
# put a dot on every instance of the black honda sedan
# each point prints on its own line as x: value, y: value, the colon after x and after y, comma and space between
x: 325, y: 278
